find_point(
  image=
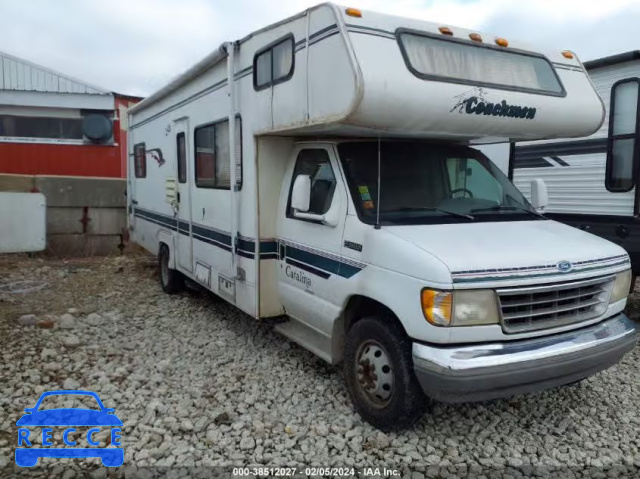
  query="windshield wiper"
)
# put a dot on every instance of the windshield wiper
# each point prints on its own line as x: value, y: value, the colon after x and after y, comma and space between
x: 440, y: 210
x: 508, y: 208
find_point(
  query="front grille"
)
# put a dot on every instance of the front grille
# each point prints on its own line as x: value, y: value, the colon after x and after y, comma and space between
x: 551, y: 306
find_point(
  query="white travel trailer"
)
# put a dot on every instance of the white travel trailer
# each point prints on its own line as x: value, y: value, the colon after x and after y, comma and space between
x: 592, y: 181
x: 318, y: 170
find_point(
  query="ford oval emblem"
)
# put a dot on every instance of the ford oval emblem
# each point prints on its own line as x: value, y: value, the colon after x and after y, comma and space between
x: 564, y: 266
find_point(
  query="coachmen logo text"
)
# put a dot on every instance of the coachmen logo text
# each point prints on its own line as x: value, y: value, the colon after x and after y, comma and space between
x: 474, y: 102
x: 499, y: 109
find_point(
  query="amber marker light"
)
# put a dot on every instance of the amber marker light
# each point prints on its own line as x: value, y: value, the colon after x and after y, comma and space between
x: 502, y: 42
x: 476, y: 37
x: 445, y: 31
x: 436, y: 306
x: 353, y: 12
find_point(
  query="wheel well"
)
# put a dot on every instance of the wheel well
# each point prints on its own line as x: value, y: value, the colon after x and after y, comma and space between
x: 164, y: 244
x: 358, y: 307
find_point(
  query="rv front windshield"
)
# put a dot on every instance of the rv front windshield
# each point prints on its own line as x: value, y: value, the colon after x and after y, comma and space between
x: 424, y: 183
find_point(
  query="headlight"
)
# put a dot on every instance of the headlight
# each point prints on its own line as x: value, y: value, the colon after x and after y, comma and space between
x: 621, y: 286
x: 475, y: 307
x: 460, y: 308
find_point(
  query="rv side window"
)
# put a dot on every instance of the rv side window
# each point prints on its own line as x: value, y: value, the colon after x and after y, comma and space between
x: 274, y: 64
x: 181, y: 149
x: 140, y: 160
x: 212, y: 155
x: 623, y: 129
x: 316, y: 164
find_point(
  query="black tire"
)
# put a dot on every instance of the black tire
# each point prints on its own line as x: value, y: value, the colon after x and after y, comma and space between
x: 171, y: 280
x: 407, y: 402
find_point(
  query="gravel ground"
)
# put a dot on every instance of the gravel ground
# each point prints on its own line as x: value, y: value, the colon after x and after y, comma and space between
x: 199, y: 384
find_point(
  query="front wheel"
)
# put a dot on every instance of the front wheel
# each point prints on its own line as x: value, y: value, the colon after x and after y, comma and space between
x: 378, y: 369
x: 171, y: 280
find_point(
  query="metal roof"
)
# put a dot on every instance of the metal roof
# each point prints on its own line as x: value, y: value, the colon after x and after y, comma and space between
x: 612, y: 60
x: 21, y: 75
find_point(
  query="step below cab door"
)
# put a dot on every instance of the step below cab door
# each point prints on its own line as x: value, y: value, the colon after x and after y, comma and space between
x: 312, y: 210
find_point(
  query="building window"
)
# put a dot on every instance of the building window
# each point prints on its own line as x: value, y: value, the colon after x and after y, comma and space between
x: 274, y: 64
x: 181, y: 149
x: 316, y: 164
x: 622, y: 147
x: 140, y: 160
x: 41, y: 127
x: 212, y: 155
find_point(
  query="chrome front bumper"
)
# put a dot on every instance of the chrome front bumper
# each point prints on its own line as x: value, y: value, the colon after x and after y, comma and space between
x: 487, y: 371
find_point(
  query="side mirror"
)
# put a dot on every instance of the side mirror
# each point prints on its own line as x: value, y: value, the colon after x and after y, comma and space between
x: 539, y: 195
x: 301, y: 194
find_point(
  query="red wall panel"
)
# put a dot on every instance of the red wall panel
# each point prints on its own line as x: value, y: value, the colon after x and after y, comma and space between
x: 62, y: 160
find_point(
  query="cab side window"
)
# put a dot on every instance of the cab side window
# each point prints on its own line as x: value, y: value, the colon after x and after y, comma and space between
x: 316, y: 164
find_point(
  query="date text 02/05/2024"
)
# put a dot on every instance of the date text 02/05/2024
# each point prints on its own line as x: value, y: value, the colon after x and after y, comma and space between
x: 314, y: 471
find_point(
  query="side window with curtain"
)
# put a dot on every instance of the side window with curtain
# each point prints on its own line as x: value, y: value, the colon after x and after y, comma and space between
x: 274, y: 64
x: 181, y: 148
x: 212, y: 152
x: 140, y: 160
x: 316, y: 164
x: 623, y: 133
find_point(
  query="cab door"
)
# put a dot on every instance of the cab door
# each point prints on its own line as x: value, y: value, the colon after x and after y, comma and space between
x: 183, y: 214
x: 309, y: 242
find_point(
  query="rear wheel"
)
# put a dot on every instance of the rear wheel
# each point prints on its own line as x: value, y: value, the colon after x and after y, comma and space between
x: 171, y: 280
x: 378, y: 369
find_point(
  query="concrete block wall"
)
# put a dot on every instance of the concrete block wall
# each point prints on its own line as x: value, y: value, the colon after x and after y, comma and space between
x: 85, y: 216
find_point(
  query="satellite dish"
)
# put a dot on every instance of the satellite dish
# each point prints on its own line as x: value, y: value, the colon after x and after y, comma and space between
x: 98, y: 128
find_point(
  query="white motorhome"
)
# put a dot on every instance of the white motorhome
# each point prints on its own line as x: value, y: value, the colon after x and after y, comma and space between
x: 592, y: 181
x: 319, y: 170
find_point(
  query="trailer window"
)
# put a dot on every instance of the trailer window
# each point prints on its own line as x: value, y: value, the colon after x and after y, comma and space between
x: 181, y: 149
x: 316, y: 164
x: 458, y: 61
x: 212, y: 155
x: 274, y: 64
x: 140, y: 160
x: 623, y: 134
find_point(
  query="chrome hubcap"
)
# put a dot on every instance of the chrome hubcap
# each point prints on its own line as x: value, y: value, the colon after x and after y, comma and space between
x: 374, y: 373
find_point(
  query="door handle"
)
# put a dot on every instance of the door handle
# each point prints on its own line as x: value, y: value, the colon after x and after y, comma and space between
x: 178, y: 197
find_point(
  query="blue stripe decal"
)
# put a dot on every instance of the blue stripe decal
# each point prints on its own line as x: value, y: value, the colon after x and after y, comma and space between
x: 311, y: 260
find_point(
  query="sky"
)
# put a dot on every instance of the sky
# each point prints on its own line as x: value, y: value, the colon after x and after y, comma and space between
x: 136, y: 46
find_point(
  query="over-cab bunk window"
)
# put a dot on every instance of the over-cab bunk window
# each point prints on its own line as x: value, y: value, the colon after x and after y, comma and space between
x: 460, y: 61
x: 212, y: 155
x: 623, y: 135
x: 274, y: 64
